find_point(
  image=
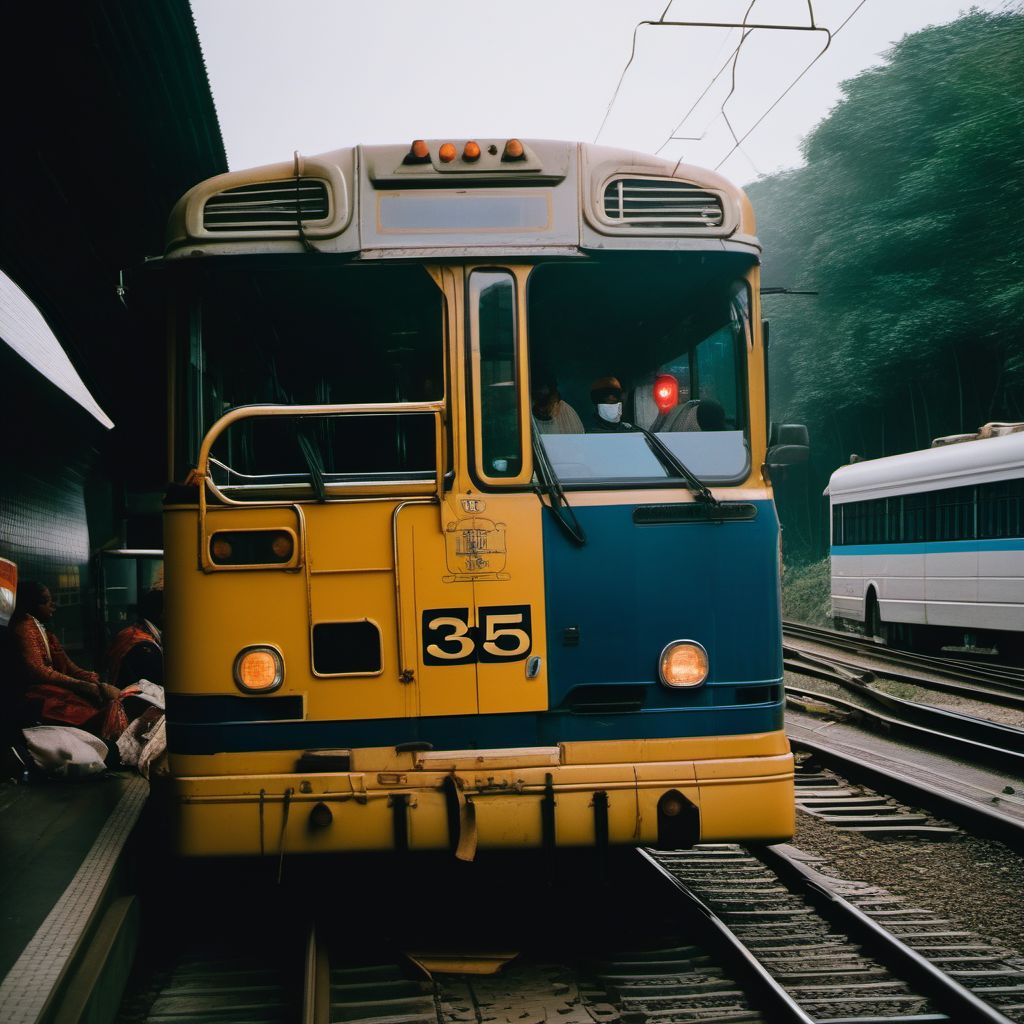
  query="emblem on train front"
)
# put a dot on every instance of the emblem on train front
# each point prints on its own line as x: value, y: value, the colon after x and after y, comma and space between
x: 475, y: 549
x: 473, y: 505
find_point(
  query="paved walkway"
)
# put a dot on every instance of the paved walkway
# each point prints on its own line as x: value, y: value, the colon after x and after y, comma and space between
x: 59, y: 843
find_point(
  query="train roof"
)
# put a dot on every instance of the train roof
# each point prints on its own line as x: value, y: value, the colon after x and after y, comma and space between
x: 955, y: 465
x: 391, y: 201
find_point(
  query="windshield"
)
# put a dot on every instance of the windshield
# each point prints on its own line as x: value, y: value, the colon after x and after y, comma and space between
x: 623, y: 345
x: 330, y: 334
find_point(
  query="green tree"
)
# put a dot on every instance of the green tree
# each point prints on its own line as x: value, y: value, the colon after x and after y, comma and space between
x: 906, y: 219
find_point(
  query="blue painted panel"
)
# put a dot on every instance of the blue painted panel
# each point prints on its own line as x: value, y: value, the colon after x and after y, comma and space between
x: 632, y: 589
x: 467, y: 732
x: 931, y: 547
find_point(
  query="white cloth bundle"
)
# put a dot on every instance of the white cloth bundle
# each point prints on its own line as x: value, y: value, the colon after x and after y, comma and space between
x: 65, y: 751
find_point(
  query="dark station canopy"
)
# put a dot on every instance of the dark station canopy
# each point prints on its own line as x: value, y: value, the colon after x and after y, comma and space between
x: 108, y: 119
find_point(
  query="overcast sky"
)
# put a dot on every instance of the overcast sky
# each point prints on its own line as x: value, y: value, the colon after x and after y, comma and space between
x: 316, y: 75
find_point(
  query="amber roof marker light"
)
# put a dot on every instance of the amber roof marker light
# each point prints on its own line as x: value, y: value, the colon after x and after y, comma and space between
x: 419, y: 153
x: 447, y: 152
x: 471, y: 152
x: 514, y: 150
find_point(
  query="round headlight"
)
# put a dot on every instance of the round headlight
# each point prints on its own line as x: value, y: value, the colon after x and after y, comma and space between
x: 683, y: 663
x: 259, y: 669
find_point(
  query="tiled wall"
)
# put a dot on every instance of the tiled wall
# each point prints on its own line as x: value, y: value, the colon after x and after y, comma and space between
x: 43, y: 531
x: 48, y: 452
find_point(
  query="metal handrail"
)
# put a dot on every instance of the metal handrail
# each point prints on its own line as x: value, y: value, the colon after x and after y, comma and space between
x: 202, y: 470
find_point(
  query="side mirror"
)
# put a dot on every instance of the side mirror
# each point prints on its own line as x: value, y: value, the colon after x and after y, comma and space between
x: 788, y: 445
x: 788, y: 433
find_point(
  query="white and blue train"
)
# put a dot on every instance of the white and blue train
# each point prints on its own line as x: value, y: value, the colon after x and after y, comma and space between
x: 928, y: 547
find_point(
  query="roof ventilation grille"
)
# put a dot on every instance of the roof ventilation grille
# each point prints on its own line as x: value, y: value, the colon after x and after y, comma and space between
x: 661, y: 203
x: 267, y: 204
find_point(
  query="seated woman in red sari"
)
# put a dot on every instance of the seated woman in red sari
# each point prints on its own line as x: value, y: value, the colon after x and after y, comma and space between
x: 56, y: 691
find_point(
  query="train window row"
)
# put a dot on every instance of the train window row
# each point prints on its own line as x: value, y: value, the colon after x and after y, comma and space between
x: 984, y: 511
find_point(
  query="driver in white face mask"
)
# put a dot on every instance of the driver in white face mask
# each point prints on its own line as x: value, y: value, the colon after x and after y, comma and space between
x: 606, y: 394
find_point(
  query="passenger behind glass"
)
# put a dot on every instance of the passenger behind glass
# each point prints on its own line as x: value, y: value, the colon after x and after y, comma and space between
x: 551, y: 413
x: 606, y: 394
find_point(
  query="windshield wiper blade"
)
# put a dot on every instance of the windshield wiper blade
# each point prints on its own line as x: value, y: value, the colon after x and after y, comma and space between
x: 552, y: 486
x: 311, y: 456
x: 700, y: 490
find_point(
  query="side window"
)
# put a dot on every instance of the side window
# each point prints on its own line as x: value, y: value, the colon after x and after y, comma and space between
x: 493, y: 335
x: 717, y: 372
x: 915, y: 510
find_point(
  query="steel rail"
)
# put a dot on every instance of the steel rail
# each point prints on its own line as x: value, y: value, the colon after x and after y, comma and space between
x: 1008, y: 676
x: 932, y: 738
x: 771, y: 996
x: 980, y: 730
x: 980, y: 819
x: 991, y: 692
x: 316, y: 995
x: 947, y: 993
x: 842, y: 638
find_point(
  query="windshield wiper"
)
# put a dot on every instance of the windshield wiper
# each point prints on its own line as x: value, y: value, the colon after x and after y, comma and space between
x: 552, y: 487
x: 314, y: 463
x: 700, y: 490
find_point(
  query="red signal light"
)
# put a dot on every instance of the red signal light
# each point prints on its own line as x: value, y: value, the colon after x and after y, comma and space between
x: 471, y: 152
x: 447, y: 153
x: 666, y: 392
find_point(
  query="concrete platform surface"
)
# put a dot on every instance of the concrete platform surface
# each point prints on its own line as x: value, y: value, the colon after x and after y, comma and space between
x: 59, y: 845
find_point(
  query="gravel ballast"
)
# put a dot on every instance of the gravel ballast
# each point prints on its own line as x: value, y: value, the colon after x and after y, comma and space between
x: 977, y: 883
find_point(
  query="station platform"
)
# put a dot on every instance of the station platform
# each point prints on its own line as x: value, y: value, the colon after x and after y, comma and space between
x: 68, y: 916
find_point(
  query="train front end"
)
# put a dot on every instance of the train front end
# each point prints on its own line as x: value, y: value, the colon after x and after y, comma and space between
x: 473, y: 546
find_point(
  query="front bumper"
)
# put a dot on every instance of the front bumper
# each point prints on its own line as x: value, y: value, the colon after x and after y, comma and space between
x: 577, y: 794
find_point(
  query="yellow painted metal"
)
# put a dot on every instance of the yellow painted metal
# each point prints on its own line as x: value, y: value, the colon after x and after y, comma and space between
x: 503, y: 757
x: 454, y: 962
x: 689, y: 748
x: 742, y: 793
x: 391, y: 561
x: 392, y: 558
x: 756, y: 387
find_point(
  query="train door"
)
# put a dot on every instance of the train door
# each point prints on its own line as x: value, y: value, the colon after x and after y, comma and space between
x: 469, y: 573
x: 497, y: 533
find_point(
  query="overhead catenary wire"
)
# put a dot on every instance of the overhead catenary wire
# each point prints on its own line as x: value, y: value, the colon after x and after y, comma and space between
x: 731, y: 59
x: 789, y: 88
x: 744, y: 34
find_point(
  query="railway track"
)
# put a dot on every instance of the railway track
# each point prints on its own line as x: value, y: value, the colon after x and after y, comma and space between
x: 935, y: 739
x: 992, y: 676
x: 939, y: 728
x: 814, y: 948
x: 814, y: 662
x: 852, y: 793
x: 724, y: 935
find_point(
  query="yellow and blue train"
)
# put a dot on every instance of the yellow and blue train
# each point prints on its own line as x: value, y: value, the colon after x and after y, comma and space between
x: 473, y: 545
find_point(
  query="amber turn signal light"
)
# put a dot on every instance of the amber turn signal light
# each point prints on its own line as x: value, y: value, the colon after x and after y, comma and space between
x: 221, y: 549
x: 447, y: 153
x: 252, y: 547
x: 419, y: 153
x: 513, y: 150
x: 471, y: 152
x: 258, y: 669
